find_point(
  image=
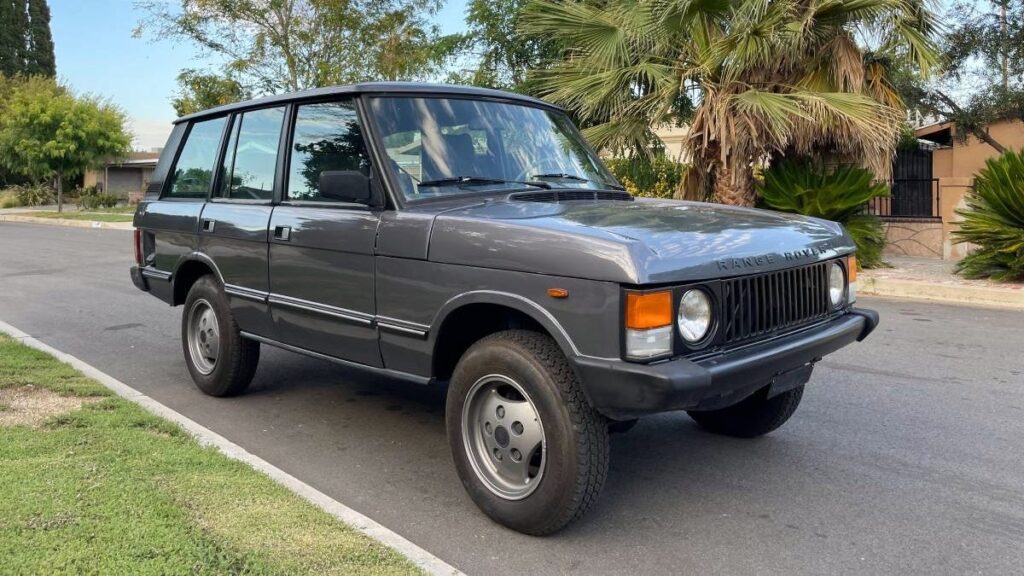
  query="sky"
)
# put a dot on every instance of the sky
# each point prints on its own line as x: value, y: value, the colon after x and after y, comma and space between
x: 97, y: 54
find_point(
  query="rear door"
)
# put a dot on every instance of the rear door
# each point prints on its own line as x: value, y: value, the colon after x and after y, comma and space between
x: 233, y: 225
x: 321, y: 250
x: 169, y: 214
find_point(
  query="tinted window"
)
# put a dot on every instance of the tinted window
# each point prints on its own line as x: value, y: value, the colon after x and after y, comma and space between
x: 327, y: 137
x: 194, y: 170
x: 251, y: 157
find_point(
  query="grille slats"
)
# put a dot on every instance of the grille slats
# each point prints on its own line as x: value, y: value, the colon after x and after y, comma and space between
x: 759, y: 305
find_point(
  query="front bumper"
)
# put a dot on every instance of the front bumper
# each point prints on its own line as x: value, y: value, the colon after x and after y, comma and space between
x: 623, y: 390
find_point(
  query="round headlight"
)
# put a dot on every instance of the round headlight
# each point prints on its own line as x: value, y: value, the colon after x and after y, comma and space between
x: 694, y: 315
x: 836, y: 284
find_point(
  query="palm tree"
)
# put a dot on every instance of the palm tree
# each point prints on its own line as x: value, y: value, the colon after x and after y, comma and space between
x: 766, y: 77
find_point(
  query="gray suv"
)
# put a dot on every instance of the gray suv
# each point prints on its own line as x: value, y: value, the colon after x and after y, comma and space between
x: 471, y: 238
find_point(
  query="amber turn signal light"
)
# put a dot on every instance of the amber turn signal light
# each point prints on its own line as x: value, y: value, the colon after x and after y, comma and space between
x: 648, y: 310
x: 558, y: 292
x: 851, y: 269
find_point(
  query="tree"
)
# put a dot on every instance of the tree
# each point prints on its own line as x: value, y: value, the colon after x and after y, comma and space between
x: 287, y: 45
x: 503, y: 55
x: 984, y: 74
x: 200, y: 91
x: 48, y: 133
x: 26, y: 46
x: 763, y: 78
x: 41, y: 60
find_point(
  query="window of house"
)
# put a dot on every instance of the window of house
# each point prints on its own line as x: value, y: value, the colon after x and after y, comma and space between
x: 327, y: 138
x: 251, y: 156
x: 193, y: 172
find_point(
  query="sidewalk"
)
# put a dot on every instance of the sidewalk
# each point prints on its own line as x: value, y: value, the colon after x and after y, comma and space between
x: 933, y: 280
x: 24, y: 214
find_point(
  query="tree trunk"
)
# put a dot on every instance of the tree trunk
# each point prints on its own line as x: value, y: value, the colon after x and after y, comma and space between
x: 60, y: 191
x: 735, y: 189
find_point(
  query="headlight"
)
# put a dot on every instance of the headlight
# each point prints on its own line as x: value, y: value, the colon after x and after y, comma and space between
x: 694, y: 317
x: 836, y: 285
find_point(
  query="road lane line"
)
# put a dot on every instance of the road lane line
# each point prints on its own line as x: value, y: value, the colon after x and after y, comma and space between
x: 425, y: 560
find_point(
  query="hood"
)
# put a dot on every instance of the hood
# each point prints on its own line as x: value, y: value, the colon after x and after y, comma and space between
x: 639, y: 242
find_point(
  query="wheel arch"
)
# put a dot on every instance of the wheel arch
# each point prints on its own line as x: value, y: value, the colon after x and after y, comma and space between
x: 471, y: 316
x: 190, y: 268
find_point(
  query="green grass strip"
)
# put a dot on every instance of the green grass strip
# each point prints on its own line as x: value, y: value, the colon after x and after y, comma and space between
x: 112, y: 489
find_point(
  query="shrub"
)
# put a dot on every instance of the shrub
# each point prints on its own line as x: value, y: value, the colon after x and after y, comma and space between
x: 90, y: 198
x: 659, y: 177
x: 994, y: 220
x: 34, y: 195
x: 8, y: 199
x: 837, y: 194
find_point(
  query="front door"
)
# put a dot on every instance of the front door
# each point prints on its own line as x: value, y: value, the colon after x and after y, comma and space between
x: 321, y: 250
x: 233, y: 225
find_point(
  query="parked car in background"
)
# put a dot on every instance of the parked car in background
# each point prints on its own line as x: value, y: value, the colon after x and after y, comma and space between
x: 469, y: 237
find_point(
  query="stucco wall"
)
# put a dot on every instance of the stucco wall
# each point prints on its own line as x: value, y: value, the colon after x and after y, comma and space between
x: 914, y: 238
x: 964, y: 160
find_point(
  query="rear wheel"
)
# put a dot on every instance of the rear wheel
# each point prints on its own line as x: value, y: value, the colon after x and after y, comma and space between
x: 529, y: 449
x: 755, y: 416
x: 220, y: 360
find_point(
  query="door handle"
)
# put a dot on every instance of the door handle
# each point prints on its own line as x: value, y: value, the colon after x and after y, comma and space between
x: 282, y: 233
x: 208, y: 224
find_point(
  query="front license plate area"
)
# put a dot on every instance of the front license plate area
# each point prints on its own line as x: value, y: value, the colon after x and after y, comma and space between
x: 785, y: 381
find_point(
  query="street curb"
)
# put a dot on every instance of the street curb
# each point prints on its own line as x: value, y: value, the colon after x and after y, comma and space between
x: 66, y: 222
x: 206, y: 437
x: 992, y: 296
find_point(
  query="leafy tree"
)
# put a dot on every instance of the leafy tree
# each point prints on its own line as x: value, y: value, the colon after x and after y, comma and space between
x: 40, y: 59
x: 503, y: 54
x: 286, y: 45
x: 26, y: 46
x: 984, y: 76
x: 763, y: 78
x: 200, y: 91
x: 48, y: 133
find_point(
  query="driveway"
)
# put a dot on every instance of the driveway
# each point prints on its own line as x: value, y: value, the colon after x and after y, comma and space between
x: 907, y: 455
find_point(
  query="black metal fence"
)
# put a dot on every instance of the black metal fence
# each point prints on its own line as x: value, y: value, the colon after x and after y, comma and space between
x: 912, y: 198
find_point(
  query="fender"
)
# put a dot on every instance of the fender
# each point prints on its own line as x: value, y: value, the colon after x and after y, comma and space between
x: 509, y: 300
x: 194, y: 257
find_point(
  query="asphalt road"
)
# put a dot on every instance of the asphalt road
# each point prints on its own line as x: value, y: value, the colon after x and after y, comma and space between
x: 906, y: 456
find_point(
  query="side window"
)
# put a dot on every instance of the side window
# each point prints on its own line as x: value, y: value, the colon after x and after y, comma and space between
x: 193, y: 172
x: 327, y: 137
x: 251, y: 156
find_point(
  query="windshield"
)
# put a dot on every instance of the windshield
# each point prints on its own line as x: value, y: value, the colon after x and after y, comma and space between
x: 445, y: 146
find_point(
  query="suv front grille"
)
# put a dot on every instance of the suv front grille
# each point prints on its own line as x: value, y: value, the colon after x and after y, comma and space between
x: 755, y: 306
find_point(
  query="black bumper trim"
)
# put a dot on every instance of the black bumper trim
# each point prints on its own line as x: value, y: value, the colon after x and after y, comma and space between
x: 138, y: 279
x: 622, y: 390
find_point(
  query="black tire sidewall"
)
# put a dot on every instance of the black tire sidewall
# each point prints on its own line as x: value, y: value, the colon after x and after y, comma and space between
x: 554, y: 494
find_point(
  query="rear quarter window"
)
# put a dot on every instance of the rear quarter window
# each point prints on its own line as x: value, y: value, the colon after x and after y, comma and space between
x: 193, y: 172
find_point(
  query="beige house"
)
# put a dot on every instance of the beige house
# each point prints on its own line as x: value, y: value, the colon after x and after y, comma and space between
x: 126, y: 179
x: 673, y: 138
x: 953, y: 167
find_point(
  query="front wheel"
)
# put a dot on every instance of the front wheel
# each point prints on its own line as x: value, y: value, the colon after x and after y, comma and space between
x: 530, y: 450
x: 220, y: 360
x: 755, y: 416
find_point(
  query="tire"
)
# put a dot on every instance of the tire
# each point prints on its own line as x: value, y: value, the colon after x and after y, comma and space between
x: 526, y: 374
x: 225, y: 362
x: 755, y: 416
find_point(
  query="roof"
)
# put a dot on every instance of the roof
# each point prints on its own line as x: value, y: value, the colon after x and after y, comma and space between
x: 369, y: 88
x: 939, y: 133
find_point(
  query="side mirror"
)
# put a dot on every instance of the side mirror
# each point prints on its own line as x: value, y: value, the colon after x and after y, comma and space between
x: 345, y: 186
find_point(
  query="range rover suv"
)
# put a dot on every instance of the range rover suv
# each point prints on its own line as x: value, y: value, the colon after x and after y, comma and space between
x: 470, y: 238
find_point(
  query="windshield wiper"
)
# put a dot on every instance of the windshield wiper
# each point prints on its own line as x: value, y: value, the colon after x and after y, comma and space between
x: 470, y: 180
x: 562, y: 176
